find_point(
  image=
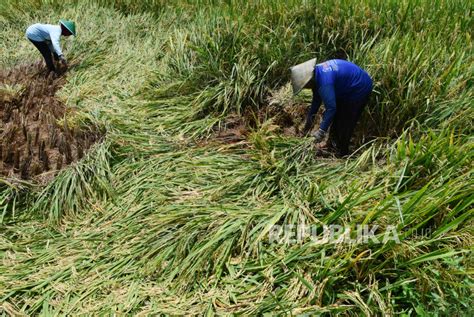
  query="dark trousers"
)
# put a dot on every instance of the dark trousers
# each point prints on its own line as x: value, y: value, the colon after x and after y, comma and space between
x: 48, y: 55
x: 344, y: 122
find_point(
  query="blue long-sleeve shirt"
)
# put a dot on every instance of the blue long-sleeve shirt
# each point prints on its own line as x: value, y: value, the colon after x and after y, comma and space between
x: 337, y: 80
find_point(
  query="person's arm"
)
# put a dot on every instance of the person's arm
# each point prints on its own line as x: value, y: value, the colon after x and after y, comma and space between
x: 329, y: 98
x: 315, y: 104
x: 55, y: 36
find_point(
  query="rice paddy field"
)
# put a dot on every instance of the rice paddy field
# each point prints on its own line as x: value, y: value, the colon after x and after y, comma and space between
x: 149, y: 177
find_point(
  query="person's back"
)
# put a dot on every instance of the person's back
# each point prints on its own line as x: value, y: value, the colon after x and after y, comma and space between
x: 43, y: 32
x: 349, y: 80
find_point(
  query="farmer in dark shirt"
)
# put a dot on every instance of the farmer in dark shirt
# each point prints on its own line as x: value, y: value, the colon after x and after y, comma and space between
x: 344, y: 88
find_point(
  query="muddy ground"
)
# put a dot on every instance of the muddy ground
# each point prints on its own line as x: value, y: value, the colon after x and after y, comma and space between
x: 35, y: 139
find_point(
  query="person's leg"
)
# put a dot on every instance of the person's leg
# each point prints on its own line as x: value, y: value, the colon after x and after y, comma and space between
x: 51, y: 48
x: 346, y: 132
x: 350, y: 117
x: 46, y: 52
x: 337, y: 126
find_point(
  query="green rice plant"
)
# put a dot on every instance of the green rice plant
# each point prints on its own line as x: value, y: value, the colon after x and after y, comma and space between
x: 13, y: 197
x: 74, y: 186
x: 163, y: 217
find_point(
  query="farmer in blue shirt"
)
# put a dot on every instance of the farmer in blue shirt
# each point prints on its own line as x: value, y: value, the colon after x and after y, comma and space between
x: 45, y: 37
x: 344, y: 88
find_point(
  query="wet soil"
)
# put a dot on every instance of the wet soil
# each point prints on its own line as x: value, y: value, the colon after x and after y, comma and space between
x: 35, y: 139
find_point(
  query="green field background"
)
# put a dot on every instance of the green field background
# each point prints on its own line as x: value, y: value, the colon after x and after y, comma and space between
x: 161, y: 218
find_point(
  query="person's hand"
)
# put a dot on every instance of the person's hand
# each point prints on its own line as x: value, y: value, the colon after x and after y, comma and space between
x: 63, y: 60
x: 322, y: 146
x: 319, y: 135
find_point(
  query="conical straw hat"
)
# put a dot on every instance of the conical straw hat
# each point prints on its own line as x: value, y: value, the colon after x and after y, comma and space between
x: 301, y: 74
x: 70, y: 25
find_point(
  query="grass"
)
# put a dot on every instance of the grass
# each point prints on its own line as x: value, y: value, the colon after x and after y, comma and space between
x: 154, y: 220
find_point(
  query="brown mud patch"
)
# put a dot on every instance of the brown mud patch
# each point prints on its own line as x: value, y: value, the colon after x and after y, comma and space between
x: 35, y: 139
